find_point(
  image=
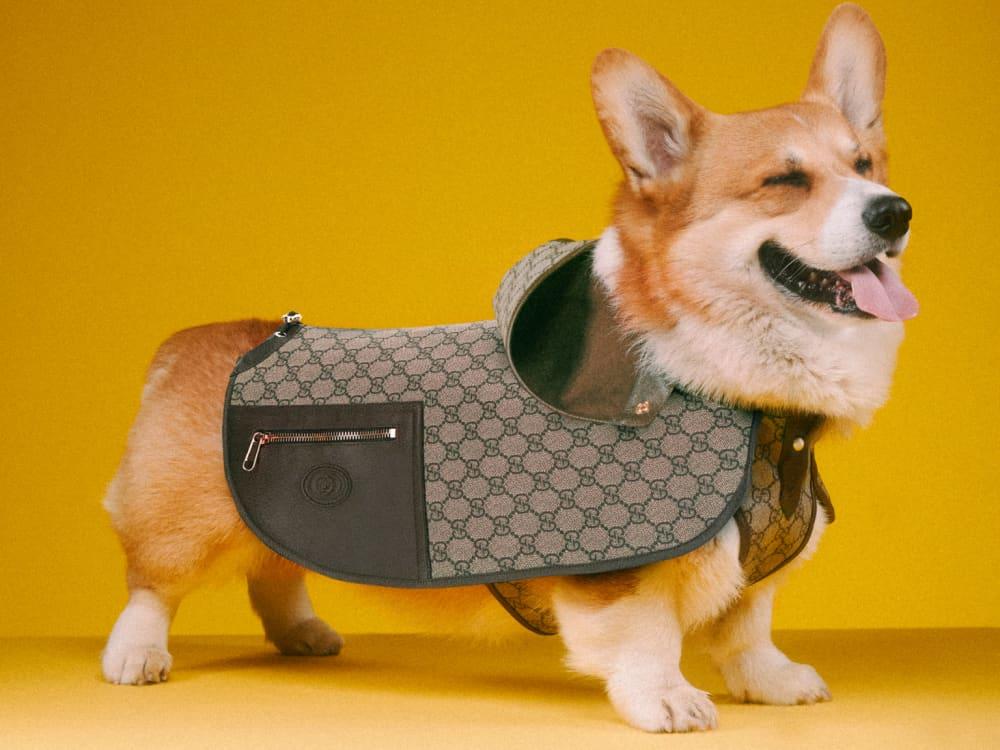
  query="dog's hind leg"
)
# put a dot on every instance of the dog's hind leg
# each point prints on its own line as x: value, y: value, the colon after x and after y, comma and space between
x: 279, y: 596
x: 136, y: 651
x: 755, y: 670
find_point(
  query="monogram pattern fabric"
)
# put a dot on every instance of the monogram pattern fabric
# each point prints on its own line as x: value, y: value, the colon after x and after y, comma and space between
x: 526, y: 273
x: 770, y: 538
x: 510, y: 484
x: 525, y: 607
x: 514, y: 488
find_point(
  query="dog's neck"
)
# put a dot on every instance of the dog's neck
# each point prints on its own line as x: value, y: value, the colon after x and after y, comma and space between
x: 767, y: 358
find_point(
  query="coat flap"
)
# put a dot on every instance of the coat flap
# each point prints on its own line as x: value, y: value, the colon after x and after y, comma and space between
x: 564, y: 341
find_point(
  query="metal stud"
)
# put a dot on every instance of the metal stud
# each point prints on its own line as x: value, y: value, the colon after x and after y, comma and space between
x: 642, y: 408
x: 798, y: 444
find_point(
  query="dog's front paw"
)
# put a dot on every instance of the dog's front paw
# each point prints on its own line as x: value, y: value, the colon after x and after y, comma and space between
x: 136, y: 665
x: 791, y: 684
x: 681, y: 708
x: 772, y: 678
x: 312, y: 637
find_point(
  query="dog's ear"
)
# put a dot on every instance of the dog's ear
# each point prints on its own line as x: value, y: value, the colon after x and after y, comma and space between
x: 649, y: 124
x: 849, y: 70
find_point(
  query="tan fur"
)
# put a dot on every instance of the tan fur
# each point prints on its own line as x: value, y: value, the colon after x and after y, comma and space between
x: 170, y: 502
x: 760, y: 142
x: 693, y: 183
x: 601, y: 589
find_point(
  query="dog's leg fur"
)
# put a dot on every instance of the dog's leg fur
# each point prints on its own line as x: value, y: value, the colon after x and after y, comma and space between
x: 633, y: 639
x: 279, y: 596
x: 739, y: 642
x: 754, y: 669
x: 136, y: 652
x: 634, y: 644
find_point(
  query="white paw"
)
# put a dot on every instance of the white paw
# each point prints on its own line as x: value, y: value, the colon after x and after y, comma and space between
x: 782, y: 683
x: 311, y: 637
x: 681, y: 708
x: 136, y: 665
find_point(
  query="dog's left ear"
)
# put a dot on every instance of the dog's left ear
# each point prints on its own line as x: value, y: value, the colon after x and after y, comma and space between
x: 849, y: 70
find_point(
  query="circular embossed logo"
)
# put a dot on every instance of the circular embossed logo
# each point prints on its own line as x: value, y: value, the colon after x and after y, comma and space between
x: 327, y: 484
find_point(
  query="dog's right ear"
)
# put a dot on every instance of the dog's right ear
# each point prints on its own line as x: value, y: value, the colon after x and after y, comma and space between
x: 848, y: 71
x: 648, y: 122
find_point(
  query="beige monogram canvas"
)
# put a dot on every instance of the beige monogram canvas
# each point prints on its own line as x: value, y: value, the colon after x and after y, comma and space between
x: 510, y: 484
x: 771, y: 538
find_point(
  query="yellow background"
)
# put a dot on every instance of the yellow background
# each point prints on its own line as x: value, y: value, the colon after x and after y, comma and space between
x: 376, y: 164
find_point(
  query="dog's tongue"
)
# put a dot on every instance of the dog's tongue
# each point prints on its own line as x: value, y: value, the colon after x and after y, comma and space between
x: 878, y: 290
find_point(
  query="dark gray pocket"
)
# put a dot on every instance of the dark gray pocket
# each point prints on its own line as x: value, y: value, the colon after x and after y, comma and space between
x: 337, y: 488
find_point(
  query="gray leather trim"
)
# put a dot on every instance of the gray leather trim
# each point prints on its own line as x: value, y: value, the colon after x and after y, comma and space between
x: 263, y: 350
x: 373, y: 525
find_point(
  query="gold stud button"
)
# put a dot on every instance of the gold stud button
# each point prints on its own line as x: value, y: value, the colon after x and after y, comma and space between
x: 798, y: 444
x: 642, y: 408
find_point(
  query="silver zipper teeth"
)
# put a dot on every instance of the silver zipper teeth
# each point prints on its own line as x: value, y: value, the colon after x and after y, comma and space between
x: 336, y: 436
x: 259, y: 439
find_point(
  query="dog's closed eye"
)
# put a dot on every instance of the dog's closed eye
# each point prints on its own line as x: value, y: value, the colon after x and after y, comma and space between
x: 795, y: 178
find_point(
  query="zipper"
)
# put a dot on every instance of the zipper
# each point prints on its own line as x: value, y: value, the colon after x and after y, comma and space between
x: 362, y: 435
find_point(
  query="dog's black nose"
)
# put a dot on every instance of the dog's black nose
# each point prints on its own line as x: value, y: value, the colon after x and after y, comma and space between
x: 888, y: 216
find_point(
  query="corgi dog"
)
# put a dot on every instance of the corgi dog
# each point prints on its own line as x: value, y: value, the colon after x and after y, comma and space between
x: 753, y: 255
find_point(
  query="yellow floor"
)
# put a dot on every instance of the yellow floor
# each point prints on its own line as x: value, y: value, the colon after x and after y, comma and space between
x: 907, y: 689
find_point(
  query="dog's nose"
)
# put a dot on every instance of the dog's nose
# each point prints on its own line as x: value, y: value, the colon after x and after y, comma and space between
x: 888, y: 216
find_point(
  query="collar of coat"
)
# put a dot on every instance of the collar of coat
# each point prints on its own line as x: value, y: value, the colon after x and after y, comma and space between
x: 565, y: 343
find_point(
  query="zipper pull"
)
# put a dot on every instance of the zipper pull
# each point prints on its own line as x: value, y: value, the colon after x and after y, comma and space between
x: 290, y: 321
x: 256, y: 441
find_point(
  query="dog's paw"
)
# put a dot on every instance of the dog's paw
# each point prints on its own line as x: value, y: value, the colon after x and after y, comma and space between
x: 783, y: 683
x: 681, y: 708
x: 788, y: 685
x: 311, y: 637
x: 136, y: 665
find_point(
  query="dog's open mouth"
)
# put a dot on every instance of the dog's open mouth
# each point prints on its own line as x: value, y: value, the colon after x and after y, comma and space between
x: 872, y: 289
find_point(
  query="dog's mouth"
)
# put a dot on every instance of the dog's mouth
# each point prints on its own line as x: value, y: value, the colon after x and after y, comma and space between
x: 869, y: 290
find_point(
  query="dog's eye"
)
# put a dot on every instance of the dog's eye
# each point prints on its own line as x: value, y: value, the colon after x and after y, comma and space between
x: 862, y: 165
x: 795, y: 178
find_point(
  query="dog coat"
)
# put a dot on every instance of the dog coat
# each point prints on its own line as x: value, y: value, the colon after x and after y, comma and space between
x: 496, y: 451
